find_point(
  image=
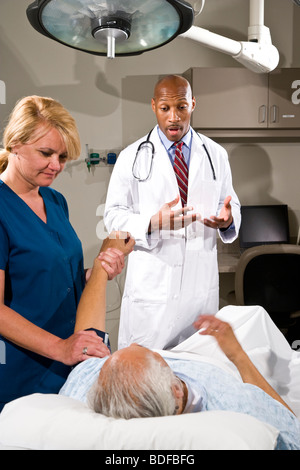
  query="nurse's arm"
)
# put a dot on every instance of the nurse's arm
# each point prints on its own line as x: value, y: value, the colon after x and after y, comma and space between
x: 21, y: 332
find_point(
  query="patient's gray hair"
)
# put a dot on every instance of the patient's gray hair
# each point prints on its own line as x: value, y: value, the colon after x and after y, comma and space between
x: 122, y: 392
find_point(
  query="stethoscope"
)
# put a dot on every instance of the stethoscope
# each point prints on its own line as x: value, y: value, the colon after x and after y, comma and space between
x: 142, y: 167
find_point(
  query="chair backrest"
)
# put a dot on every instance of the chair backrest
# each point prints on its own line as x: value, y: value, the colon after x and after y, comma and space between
x: 269, y: 276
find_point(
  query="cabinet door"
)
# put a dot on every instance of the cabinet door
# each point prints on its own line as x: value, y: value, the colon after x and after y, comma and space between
x: 229, y: 98
x: 284, y: 98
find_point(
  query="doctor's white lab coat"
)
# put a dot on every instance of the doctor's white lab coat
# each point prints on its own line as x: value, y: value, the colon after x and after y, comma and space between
x: 172, y: 277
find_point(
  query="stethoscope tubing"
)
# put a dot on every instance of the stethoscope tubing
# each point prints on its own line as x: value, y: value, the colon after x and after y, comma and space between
x: 148, y: 141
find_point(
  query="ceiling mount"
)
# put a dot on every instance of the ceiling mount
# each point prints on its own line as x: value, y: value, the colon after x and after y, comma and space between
x: 119, y: 27
x: 111, y: 27
x: 258, y: 53
x: 111, y: 30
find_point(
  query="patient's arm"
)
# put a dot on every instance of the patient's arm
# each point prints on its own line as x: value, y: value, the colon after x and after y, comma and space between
x: 91, y: 311
x: 222, y: 331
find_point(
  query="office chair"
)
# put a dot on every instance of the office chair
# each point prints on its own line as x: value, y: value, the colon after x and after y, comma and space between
x: 269, y: 276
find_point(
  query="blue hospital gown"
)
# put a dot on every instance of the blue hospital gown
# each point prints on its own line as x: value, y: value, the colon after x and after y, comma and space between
x: 221, y: 391
x: 44, y: 279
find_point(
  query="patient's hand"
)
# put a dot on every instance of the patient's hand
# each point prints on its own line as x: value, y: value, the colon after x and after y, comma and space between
x: 222, y: 331
x: 113, y: 252
x: 121, y: 241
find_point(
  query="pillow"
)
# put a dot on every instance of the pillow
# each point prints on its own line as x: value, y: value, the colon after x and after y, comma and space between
x: 56, y: 422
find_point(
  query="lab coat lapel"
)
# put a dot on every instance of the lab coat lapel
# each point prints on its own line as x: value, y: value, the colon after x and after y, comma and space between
x: 203, y: 193
x: 197, y: 163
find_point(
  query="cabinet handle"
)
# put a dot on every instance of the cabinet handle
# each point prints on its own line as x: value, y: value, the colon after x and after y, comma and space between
x: 262, y: 114
x: 274, y: 113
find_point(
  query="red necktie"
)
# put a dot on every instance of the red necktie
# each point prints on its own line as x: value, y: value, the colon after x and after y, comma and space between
x: 182, y: 172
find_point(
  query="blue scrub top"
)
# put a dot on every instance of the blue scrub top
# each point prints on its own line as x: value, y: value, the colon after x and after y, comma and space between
x: 44, y: 279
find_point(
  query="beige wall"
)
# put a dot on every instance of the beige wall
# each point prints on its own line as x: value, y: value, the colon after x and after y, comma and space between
x: 110, y: 101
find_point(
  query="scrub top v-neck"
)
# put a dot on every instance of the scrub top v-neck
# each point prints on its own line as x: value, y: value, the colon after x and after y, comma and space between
x: 44, y: 279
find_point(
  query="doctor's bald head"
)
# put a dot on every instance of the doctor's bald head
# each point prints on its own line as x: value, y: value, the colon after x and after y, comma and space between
x: 173, y: 104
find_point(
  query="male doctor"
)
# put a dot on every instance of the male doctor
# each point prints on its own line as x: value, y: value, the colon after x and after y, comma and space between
x: 172, y: 274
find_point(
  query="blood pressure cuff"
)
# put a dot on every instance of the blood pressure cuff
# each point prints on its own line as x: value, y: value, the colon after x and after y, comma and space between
x: 102, y: 335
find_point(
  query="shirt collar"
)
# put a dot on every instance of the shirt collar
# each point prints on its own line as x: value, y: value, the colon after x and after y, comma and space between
x: 186, y: 139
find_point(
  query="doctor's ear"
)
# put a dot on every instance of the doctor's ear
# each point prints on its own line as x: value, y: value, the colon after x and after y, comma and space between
x: 153, y: 105
x: 193, y: 103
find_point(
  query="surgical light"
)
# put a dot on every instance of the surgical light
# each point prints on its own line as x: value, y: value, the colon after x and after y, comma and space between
x: 130, y: 27
x: 111, y: 27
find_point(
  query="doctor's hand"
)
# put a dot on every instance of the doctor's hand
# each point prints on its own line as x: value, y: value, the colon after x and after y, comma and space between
x: 224, y: 220
x: 168, y: 219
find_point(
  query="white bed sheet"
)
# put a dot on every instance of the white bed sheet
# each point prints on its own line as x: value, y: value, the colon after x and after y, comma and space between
x: 261, y: 339
x: 264, y: 344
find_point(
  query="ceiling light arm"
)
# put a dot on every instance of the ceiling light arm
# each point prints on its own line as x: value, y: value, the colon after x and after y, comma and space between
x: 258, y: 54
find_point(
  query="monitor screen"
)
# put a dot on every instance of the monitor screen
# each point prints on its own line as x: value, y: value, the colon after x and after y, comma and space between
x: 263, y: 225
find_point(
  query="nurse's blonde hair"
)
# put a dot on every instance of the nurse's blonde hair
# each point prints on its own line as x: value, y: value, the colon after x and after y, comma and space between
x: 31, y: 119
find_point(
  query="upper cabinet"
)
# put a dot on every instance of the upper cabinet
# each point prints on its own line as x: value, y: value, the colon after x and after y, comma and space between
x: 284, y: 99
x: 235, y: 102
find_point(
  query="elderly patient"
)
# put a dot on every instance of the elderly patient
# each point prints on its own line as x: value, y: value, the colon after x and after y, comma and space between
x: 137, y: 382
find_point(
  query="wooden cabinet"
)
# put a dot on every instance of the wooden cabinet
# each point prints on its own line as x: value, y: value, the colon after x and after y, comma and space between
x: 245, y: 103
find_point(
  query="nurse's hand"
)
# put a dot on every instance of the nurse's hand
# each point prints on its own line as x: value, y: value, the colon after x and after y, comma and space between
x: 79, y: 347
x: 113, y: 261
x: 168, y: 219
x: 224, y: 220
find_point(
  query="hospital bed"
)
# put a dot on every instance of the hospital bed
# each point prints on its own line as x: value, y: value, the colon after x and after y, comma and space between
x: 45, y: 422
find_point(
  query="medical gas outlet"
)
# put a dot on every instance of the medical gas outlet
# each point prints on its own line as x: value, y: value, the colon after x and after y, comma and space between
x: 94, y: 158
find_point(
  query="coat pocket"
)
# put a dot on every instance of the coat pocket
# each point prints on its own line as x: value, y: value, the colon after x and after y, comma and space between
x: 148, y: 278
